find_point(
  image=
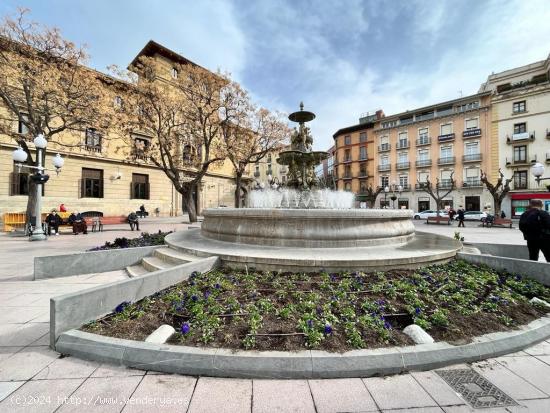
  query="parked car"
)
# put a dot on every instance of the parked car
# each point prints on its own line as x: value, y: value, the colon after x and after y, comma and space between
x: 429, y: 213
x: 474, y: 216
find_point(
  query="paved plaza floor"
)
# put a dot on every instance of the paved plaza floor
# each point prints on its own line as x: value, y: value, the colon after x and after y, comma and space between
x: 34, y: 378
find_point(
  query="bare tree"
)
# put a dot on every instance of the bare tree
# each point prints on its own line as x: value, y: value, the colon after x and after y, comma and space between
x: 498, y: 190
x: 371, y: 194
x: 178, y: 123
x: 249, y: 133
x: 47, y: 89
x: 438, y: 191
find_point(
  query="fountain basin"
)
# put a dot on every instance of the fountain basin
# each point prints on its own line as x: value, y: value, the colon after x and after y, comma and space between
x: 305, y: 228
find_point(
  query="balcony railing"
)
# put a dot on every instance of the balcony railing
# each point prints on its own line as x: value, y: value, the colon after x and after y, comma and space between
x: 403, y: 145
x: 472, y: 183
x: 423, y: 140
x: 347, y: 176
x: 517, y: 161
x: 420, y: 185
x: 406, y: 187
x: 403, y: 165
x: 472, y: 157
x: 448, y: 160
x: 520, y: 185
x: 347, y: 159
x: 470, y: 133
x: 445, y: 184
x: 423, y: 162
x: 446, y: 138
x: 384, y: 147
x: 384, y: 167
x: 520, y: 137
x: 363, y: 157
x: 363, y: 175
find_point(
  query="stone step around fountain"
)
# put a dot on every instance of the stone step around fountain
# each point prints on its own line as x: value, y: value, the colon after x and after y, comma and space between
x: 161, y: 258
x: 136, y: 270
x: 173, y: 256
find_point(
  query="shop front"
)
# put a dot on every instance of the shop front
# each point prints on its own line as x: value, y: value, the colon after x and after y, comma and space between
x: 520, y: 201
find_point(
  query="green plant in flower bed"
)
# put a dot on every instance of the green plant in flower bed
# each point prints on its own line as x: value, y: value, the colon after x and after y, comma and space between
x: 335, y: 312
x: 144, y: 240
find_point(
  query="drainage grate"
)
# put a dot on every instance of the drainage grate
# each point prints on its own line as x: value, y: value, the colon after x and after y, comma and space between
x: 476, y: 389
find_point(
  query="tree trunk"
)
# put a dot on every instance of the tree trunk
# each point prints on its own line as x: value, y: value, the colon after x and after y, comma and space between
x: 189, y: 202
x: 238, y: 179
x: 498, y: 205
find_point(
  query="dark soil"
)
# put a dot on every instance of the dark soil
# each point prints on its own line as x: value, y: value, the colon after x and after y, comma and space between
x: 333, y: 312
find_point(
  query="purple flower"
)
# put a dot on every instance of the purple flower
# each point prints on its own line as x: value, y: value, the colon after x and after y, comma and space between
x: 328, y: 329
x: 217, y: 286
x: 206, y: 294
x: 387, y: 325
x: 120, y: 308
x: 194, y: 298
x: 185, y: 327
x: 417, y: 310
x: 310, y: 323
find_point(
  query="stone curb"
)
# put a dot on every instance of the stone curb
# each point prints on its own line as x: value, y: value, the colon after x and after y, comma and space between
x: 296, y: 365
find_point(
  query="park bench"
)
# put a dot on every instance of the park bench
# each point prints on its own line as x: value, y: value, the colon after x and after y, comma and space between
x: 438, y: 220
x: 498, y: 221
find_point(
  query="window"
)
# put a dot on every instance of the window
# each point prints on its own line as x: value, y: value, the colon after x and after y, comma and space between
x: 402, y: 157
x: 140, y: 186
x: 347, y: 155
x: 347, y: 140
x: 384, y: 181
x: 472, y: 177
x: 363, y: 152
x: 363, y: 169
x: 347, y: 171
x: 471, y: 148
x: 141, y: 145
x: 21, y: 126
x: 446, y: 129
x: 423, y: 133
x: 423, y: 177
x: 174, y: 73
x: 188, y: 153
x: 363, y: 186
x: 404, y: 180
x: 118, y: 102
x: 363, y: 137
x: 384, y: 160
x: 92, y: 140
x: 471, y: 123
x: 520, y: 154
x: 446, y: 151
x: 520, y: 128
x: 423, y: 155
x: 446, y: 179
x: 92, y: 183
x: 518, y: 107
x: 520, y: 180
x: 19, y: 184
x: 403, y: 140
x: 384, y: 143
x: 519, y: 206
x: 347, y: 186
x: 389, y: 124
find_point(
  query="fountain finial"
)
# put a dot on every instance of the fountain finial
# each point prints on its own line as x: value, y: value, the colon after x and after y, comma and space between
x: 301, y: 105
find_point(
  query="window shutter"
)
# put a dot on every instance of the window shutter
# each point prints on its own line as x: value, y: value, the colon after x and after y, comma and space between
x: 14, y: 183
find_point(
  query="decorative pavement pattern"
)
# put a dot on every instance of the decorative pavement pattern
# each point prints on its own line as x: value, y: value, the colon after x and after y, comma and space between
x: 34, y: 378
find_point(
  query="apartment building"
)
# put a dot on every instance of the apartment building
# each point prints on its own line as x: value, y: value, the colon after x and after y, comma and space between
x: 434, y: 142
x: 268, y: 169
x: 521, y: 130
x: 353, y: 161
x: 98, y: 176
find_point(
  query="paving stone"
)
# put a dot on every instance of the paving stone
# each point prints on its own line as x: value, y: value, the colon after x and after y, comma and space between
x: 282, y: 396
x: 40, y: 396
x: 417, y: 410
x: 43, y: 317
x: 26, y: 363
x: 7, y: 352
x: 105, y: 394
x: 436, y: 387
x: 166, y: 393
x: 67, y: 368
x: 22, y: 334
x: 8, y: 387
x: 109, y: 370
x: 29, y: 300
x: 528, y: 406
x: 510, y: 383
x: 341, y: 395
x: 531, y: 369
x: 541, y: 349
x: 42, y: 341
x: 544, y: 359
x: 12, y: 315
x: 468, y: 409
x: 384, y: 391
x: 516, y: 354
x: 221, y: 395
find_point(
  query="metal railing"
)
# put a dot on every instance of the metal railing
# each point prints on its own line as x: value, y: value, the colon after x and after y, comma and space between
x: 472, y: 157
x: 384, y: 167
x: 472, y: 183
x: 424, y: 162
x: 448, y: 160
x: 446, y: 138
x: 403, y: 165
x: 470, y: 133
x: 426, y: 140
x: 384, y: 147
x: 403, y: 145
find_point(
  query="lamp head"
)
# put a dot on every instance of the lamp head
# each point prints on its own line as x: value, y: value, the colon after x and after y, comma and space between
x: 387, y: 189
x: 40, y: 142
x: 58, y: 161
x: 19, y: 155
x: 537, y: 170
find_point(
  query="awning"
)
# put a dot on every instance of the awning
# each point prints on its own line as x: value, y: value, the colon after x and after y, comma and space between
x: 531, y: 195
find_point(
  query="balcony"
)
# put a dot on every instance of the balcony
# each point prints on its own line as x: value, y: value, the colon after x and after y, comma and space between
x: 347, y: 176
x: 471, y: 133
x: 257, y: 174
x: 523, y: 161
x: 445, y: 184
x: 347, y: 159
x: 448, y: 160
x: 403, y: 165
x: 384, y: 147
x: 406, y: 187
x: 403, y: 145
x: 384, y: 167
x: 472, y: 183
x: 472, y: 157
x: 423, y: 140
x: 421, y: 163
x: 520, y: 185
x: 446, y: 138
x: 363, y: 175
x: 363, y: 157
x: 520, y: 137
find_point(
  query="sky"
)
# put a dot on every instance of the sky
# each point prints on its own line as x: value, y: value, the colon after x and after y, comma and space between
x: 341, y: 58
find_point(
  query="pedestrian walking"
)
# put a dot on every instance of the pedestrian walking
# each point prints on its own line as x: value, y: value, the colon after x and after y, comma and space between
x: 460, y: 213
x: 535, y: 226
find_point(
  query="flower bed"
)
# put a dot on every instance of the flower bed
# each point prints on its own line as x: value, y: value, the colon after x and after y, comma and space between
x: 334, y: 312
x: 144, y: 240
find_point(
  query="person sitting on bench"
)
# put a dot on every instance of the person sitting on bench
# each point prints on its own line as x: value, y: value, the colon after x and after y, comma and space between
x: 78, y: 223
x: 133, y: 221
x: 54, y: 221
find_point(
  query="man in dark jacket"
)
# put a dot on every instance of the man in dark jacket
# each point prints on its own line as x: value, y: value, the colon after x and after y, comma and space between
x: 53, y: 220
x: 78, y: 223
x: 460, y: 213
x: 133, y: 221
x: 535, y: 225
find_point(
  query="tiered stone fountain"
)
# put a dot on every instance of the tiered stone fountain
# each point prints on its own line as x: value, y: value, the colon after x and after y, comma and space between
x: 303, y: 228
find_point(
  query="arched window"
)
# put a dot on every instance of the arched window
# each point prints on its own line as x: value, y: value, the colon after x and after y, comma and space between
x: 118, y: 102
x: 174, y: 73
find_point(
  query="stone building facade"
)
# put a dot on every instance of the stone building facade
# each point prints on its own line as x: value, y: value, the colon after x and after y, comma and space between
x: 98, y: 175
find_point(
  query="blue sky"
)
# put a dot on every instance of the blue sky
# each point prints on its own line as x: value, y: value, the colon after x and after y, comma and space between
x: 342, y: 58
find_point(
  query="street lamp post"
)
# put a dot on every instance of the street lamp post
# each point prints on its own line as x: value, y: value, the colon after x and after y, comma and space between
x: 393, y: 187
x: 386, y: 190
x: 39, y: 178
x: 537, y: 170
